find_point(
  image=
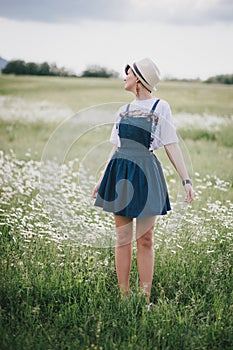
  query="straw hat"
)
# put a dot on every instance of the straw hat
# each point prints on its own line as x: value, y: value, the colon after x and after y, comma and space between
x: 147, y: 72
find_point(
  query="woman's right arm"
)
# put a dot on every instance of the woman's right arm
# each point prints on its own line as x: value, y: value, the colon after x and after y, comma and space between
x: 96, y: 188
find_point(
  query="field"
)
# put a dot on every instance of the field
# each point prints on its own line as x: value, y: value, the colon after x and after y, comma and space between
x: 58, y: 282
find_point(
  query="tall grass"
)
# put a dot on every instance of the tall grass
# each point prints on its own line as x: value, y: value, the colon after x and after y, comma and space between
x: 222, y: 137
x: 58, y: 282
x: 58, y: 297
x: 60, y: 292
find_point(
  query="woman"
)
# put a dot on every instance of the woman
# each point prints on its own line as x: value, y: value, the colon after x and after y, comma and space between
x: 133, y: 184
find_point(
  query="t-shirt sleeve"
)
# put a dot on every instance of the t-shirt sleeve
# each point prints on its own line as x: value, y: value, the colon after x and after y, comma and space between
x: 114, y: 137
x: 167, y: 130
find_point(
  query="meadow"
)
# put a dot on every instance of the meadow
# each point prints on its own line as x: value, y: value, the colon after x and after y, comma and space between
x: 58, y: 282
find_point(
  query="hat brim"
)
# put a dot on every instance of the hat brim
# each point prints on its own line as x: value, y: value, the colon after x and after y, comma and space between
x: 141, y: 80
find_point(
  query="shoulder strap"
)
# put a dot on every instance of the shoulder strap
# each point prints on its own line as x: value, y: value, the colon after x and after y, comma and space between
x: 154, y: 105
x: 127, y: 107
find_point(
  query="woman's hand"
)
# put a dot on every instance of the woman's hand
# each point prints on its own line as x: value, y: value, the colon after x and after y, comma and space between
x: 95, y: 190
x: 176, y: 158
x: 189, y: 193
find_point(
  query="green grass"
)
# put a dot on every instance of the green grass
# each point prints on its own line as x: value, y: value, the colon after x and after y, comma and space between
x: 58, y: 297
x: 78, y: 93
x: 74, y: 92
x: 222, y: 137
x: 198, y: 98
x: 60, y: 293
x: 56, y: 294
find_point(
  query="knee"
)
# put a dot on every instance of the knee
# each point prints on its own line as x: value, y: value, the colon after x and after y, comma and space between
x: 123, y: 238
x: 146, y: 241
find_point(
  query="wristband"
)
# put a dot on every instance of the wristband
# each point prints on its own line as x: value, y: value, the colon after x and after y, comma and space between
x: 187, y: 181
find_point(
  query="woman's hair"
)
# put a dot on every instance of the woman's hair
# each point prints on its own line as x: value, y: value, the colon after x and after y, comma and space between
x: 126, y: 72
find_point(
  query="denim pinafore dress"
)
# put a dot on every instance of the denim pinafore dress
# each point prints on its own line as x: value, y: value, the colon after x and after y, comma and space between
x: 133, y: 184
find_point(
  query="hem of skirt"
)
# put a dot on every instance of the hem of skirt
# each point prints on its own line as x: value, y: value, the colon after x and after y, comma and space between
x: 133, y: 216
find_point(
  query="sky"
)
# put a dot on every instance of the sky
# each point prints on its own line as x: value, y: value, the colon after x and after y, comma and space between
x: 185, y: 38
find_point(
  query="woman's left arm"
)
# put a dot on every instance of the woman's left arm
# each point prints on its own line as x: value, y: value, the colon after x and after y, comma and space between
x: 175, y: 155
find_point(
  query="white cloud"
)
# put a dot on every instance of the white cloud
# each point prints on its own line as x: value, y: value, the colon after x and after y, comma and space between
x: 181, y: 51
x: 193, y: 12
x: 183, y: 11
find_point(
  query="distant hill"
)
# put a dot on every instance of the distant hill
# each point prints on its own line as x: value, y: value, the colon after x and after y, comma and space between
x: 3, y: 63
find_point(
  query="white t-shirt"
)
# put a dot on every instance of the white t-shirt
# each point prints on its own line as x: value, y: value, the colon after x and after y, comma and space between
x: 162, y: 134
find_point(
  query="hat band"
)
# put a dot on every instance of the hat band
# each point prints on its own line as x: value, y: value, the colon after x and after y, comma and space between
x: 139, y: 73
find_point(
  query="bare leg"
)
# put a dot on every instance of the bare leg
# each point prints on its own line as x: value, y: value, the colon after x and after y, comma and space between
x: 145, y: 253
x: 123, y: 251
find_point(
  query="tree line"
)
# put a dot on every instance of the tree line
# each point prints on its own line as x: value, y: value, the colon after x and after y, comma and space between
x: 20, y: 67
x: 99, y: 72
x: 221, y: 79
